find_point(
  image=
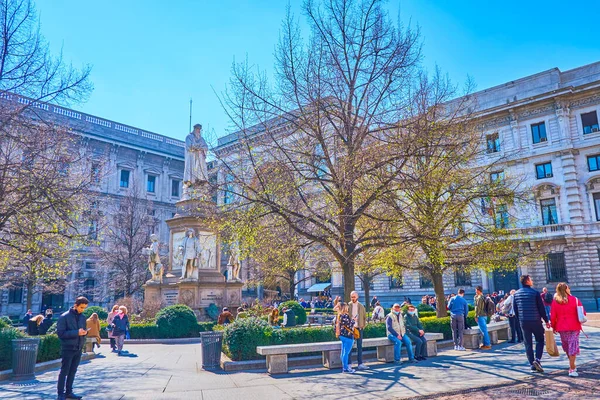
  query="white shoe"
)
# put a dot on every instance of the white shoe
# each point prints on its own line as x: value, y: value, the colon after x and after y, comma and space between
x: 362, y: 367
x: 349, y: 371
x: 573, y: 373
x: 455, y: 347
x: 460, y: 348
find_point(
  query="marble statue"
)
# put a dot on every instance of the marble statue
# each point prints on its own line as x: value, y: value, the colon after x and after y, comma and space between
x: 233, y: 267
x: 190, y: 251
x: 154, y: 264
x: 195, y: 158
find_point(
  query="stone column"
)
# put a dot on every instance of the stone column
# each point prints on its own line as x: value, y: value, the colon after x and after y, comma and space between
x: 573, y: 197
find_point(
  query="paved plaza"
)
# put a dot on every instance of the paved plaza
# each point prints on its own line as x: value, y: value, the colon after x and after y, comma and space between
x: 174, y: 372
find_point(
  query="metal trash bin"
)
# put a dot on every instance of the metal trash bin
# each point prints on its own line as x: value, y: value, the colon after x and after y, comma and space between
x: 24, y: 355
x: 212, y: 344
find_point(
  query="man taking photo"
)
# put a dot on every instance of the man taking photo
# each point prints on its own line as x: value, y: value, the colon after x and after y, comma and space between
x: 71, y: 330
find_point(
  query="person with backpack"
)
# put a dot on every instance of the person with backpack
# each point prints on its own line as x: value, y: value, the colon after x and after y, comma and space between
x: 484, y: 308
x: 566, y: 321
x: 547, y: 300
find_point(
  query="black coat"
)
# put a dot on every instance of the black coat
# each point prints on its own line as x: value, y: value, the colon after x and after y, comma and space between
x: 121, y: 325
x: 67, y: 329
x: 528, y: 305
x: 32, y: 328
x: 46, y: 324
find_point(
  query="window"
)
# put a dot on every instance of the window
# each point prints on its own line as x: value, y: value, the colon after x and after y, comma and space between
x: 555, y: 267
x: 15, y: 295
x: 95, y: 173
x: 501, y: 217
x: 227, y: 193
x: 124, y: 182
x: 319, y: 161
x: 594, y: 162
x: 462, y: 278
x: 538, y: 132
x: 597, y: 205
x: 497, y: 177
x: 493, y: 143
x: 589, y: 121
x: 93, y: 229
x: 88, y: 288
x: 543, y: 170
x: 175, y: 187
x: 425, y: 282
x: 549, y: 215
x: 151, y: 184
x: 90, y: 265
x: 396, y: 282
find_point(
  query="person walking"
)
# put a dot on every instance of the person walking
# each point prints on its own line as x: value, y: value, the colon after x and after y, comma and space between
x: 344, y: 330
x: 121, y: 326
x: 396, y: 332
x: 530, y: 311
x: 415, y: 332
x: 71, y: 331
x: 109, y: 321
x: 547, y: 299
x: 565, y: 320
x: 481, y: 315
x: 459, y: 309
x: 378, y: 313
x: 359, y: 314
x: 93, y: 327
x: 509, y: 310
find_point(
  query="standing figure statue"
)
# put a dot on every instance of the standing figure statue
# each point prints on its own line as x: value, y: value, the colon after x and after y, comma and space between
x: 190, y: 247
x: 233, y: 267
x: 154, y: 264
x: 195, y: 158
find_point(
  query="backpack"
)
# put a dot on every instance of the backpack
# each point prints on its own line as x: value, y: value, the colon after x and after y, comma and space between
x: 490, y: 307
x: 548, y: 298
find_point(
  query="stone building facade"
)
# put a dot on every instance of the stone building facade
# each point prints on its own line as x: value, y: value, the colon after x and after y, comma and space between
x: 125, y: 155
x: 545, y: 129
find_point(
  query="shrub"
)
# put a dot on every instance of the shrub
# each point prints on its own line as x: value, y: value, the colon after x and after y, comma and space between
x: 177, y: 321
x: 52, y: 329
x: 374, y: 330
x: 243, y: 335
x: 4, y: 323
x: 424, y: 307
x: 49, y: 348
x: 303, y: 335
x: 6, y: 337
x: 212, y: 311
x: 7, y: 320
x: 102, y: 313
x: 425, y: 314
x: 298, y: 310
x: 206, y: 326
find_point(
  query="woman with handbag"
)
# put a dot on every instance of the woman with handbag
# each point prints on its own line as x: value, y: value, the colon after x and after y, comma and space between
x: 344, y: 329
x: 110, y: 326
x: 565, y: 319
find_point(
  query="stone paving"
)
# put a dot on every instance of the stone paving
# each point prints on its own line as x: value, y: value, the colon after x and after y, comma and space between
x: 174, y: 372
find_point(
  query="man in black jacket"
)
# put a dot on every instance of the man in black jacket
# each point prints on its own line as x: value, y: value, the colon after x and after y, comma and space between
x: 529, y: 309
x: 71, y: 331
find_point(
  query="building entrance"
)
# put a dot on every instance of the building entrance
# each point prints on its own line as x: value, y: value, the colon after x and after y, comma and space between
x: 506, y: 280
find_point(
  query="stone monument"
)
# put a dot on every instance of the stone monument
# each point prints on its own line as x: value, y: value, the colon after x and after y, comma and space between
x: 194, y: 277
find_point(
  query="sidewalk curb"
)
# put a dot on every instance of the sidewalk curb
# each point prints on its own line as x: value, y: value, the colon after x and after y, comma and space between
x: 6, y: 374
x: 158, y: 341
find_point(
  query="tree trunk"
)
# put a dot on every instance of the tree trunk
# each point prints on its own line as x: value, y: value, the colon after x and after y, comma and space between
x: 348, y: 269
x: 438, y: 286
x: 292, y: 283
x: 29, y: 298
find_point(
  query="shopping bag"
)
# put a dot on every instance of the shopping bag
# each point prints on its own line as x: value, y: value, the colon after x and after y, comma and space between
x: 551, y: 347
x: 580, y: 312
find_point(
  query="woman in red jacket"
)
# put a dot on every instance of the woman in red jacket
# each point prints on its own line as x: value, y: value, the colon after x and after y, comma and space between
x: 565, y: 321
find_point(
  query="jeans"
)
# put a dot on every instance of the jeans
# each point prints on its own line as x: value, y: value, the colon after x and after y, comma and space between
x: 359, y: 358
x: 347, y: 344
x: 458, y: 327
x: 547, y: 311
x: 482, y: 322
x: 68, y: 369
x: 397, y: 346
x: 515, y: 329
x: 420, y: 344
x: 536, y: 329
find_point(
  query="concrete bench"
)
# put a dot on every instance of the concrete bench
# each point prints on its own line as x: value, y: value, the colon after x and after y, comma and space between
x: 89, y: 344
x: 277, y: 356
x: 472, y: 338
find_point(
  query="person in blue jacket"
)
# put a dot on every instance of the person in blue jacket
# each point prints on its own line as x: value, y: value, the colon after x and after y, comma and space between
x: 459, y: 309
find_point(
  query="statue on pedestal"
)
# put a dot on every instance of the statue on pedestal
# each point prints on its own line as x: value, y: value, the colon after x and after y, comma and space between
x: 195, y: 173
x: 154, y: 264
x: 233, y: 267
x: 189, y: 253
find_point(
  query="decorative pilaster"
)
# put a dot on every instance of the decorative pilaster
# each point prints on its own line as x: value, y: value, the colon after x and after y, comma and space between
x: 573, y: 195
x: 514, y: 127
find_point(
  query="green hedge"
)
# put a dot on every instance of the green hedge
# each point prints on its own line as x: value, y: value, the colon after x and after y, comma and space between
x: 6, y: 337
x: 298, y: 310
x: 151, y: 331
x: 102, y: 313
x: 178, y: 321
x: 49, y: 348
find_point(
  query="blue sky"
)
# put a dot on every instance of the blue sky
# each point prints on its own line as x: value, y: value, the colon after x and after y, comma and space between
x: 150, y: 56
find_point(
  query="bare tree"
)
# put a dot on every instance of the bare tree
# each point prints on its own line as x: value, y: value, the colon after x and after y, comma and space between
x: 124, y: 234
x: 329, y: 124
x: 44, y: 173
